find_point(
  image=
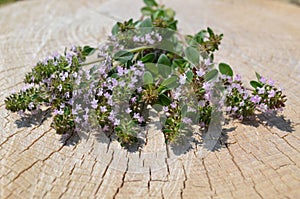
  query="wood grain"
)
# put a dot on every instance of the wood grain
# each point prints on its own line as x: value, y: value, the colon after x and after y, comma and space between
x: 253, y: 160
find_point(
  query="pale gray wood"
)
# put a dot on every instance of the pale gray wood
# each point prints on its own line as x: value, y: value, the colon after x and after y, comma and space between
x: 257, y: 162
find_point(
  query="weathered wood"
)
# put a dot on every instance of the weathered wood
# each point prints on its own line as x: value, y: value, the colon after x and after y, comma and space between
x: 255, y: 160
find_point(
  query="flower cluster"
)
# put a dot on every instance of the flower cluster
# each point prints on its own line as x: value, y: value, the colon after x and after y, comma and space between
x: 143, y: 65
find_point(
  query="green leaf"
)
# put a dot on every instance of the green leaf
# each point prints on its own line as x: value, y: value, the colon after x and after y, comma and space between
x: 189, y: 76
x: 123, y: 56
x: 164, y: 100
x: 148, y: 78
x: 211, y: 75
x: 184, y: 110
x: 150, y: 3
x: 168, y: 84
x: 148, y: 58
x: 258, y: 76
x: 225, y: 69
x: 173, y: 25
x: 210, y: 32
x: 87, y: 50
x: 170, y: 13
x: 147, y: 23
x: 147, y: 11
x: 192, y: 55
x: 171, y: 82
x: 152, y: 68
x: 179, y: 63
x: 158, y: 14
x: 115, y: 29
x: 255, y: 84
x: 168, y: 131
x: 163, y: 59
x: 164, y: 70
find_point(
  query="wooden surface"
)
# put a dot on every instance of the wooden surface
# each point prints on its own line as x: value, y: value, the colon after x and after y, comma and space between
x: 254, y: 160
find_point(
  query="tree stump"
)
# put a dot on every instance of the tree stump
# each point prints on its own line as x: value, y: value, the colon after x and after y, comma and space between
x: 251, y: 159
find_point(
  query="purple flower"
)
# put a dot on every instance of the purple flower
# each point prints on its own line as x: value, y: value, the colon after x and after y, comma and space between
x: 114, y: 82
x: 177, y: 93
x: 117, y: 122
x: 107, y: 95
x: 271, y: 93
x: 261, y: 90
x: 234, y: 109
x: 136, y: 115
x: 136, y: 38
x: 228, y: 109
x: 263, y: 107
x: 187, y: 120
x: 149, y: 39
x: 100, y: 92
x: 112, y: 116
x: 206, y: 86
x: 131, y: 85
x: 110, y: 101
x: 122, y: 83
x: 105, y: 128
x: 165, y: 108
x: 94, y: 103
x: 138, y: 72
x: 263, y: 80
x: 190, y: 109
x: 21, y: 113
x: 56, y: 55
x: 103, y: 109
x: 207, y: 62
x: 86, y: 117
x: 77, y: 119
x: 140, y: 119
x: 133, y: 100
x: 134, y: 79
x: 238, y: 77
x: 139, y: 89
x: 140, y: 64
x: 71, y: 102
x: 173, y: 105
x: 58, y: 112
x: 242, y: 103
x: 74, y: 112
x: 223, y: 76
x: 271, y: 82
x: 30, y: 106
x: 158, y: 37
x: 101, y: 71
x: 27, y: 86
x: 78, y: 107
x: 59, y: 87
x: 200, y: 72
x: 182, y: 79
x: 67, y: 95
x: 63, y: 76
x: 74, y: 74
x: 207, y: 95
x: 128, y: 110
x: 255, y: 99
x: 126, y: 71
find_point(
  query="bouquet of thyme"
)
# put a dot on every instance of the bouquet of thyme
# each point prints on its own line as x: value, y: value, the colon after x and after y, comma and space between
x: 145, y: 64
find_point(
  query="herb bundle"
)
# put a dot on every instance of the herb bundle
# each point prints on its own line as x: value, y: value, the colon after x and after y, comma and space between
x: 145, y: 64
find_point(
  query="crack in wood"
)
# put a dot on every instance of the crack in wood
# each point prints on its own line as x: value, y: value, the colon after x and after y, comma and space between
x: 123, y: 180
